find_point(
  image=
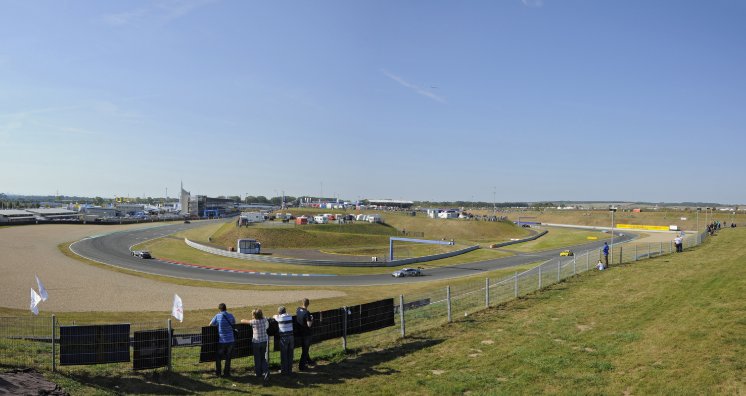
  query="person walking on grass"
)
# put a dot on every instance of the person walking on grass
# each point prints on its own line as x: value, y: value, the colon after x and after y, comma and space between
x: 287, y: 343
x: 304, y: 320
x: 259, y: 342
x: 225, y: 322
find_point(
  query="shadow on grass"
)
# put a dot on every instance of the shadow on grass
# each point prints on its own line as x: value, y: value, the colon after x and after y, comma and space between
x: 158, y: 383
x: 356, y: 365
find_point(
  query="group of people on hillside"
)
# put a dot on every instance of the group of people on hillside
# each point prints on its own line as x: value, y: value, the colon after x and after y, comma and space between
x: 261, y: 329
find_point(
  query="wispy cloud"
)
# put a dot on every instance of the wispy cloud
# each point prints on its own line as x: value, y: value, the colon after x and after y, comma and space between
x: 163, y: 11
x: 124, y: 18
x: 414, y: 87
x: 533, y: 3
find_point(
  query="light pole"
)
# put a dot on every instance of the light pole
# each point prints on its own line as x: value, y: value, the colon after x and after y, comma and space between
x: 612, y: 210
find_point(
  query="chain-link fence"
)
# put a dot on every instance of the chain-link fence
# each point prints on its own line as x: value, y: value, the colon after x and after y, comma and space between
x: 47, y: 344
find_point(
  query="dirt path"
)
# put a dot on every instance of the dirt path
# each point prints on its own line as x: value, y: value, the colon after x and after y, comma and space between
x: 74, y: 286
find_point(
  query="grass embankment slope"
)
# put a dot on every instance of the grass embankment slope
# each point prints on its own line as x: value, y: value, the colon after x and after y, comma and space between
x: 329, y: 236
x: 356, y: 239
x: 672, y: 325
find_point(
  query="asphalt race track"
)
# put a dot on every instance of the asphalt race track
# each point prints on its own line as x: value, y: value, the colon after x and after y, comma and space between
x: 114, y: 249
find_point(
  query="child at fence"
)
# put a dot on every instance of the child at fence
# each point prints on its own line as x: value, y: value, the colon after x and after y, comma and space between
x: 600, y: 265
x: 259, y: 343
x: 224, y: 321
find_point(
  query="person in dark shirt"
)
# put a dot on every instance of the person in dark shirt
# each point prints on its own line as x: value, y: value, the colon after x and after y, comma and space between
x: 304, y: 320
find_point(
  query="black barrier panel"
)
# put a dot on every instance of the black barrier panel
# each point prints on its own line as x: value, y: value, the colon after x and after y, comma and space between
x: 94, y: 344
x: 371, y: 316
x: 150, y: 349
x: 241, y: 348
x: 327, y: 324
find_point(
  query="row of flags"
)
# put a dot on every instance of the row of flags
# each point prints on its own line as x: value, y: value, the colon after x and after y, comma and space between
x: 177, y: 311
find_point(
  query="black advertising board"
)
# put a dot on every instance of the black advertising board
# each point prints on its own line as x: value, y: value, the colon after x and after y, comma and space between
x: 150, y: 349
x: 94, y: 344
x: 241, y: 348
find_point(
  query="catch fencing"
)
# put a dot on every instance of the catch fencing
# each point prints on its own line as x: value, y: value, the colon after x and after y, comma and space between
x: 47, y: 344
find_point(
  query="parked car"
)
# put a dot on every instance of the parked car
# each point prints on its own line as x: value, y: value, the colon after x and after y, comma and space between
x: 565, y: 253
x: 406, y: 272
x: 143, y: 254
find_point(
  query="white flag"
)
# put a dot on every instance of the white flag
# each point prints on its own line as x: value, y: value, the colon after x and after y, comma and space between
x: 35, y: 300
x: 178, y: 310
x: 42, y: 290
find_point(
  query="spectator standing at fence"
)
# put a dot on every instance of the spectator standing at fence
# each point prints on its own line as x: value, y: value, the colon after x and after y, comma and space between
x: 677, y: 241
x: 259, y: 343
x: 606, y: 254
x: 305, y: 321
x: 225, y: 322
x: 287, y: 343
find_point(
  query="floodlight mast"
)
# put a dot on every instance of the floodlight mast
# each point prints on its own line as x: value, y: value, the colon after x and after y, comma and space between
x: 612, y: 209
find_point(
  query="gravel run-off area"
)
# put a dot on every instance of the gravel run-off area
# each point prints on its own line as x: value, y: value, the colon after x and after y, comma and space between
x: 75, y: 286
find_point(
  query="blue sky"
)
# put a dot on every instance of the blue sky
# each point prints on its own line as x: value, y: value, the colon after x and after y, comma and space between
x: 422, y: 100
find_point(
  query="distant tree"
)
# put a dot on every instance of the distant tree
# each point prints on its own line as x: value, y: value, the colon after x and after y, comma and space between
x: 235, y: 198
x: 250, y: 199
x: 262, y: 199
x: 98, y: 201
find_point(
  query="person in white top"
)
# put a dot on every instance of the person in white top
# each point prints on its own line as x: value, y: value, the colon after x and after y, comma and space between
x: 600, y: 265
x: 287, y: 341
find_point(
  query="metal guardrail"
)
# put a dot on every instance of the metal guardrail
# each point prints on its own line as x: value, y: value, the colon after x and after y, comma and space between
x: 285, y: 260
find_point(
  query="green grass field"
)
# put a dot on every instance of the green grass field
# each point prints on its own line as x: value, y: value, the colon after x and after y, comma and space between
x: 556, y: 238
x: 670, y: 325
x: 360, y: 239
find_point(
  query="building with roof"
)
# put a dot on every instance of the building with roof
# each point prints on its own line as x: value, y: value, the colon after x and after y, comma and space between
x: 16, y: 216
x: 53, y: 214
x: 390, y: 203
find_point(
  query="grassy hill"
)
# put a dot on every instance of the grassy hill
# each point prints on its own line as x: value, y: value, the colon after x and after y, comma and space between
x: 672, y: 325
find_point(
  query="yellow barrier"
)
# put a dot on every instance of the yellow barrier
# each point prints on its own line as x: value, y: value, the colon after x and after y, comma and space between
x: 592, y: 238
x: 643, y: 227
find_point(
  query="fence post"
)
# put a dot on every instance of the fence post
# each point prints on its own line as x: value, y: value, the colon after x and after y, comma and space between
x: 650, y: 250
x: 559, y: 268
x: 54, y: 352
x: 670, y: 246
x: 635, y: 252
x: 344, y: 325
x: 401, y: 315
x: 540, y: 265
x: 448, y: 302
x: 661, y: 249
x: 515, y: 287
x: 486, y: 292
x: 170, y: 340
x: 621, y: 254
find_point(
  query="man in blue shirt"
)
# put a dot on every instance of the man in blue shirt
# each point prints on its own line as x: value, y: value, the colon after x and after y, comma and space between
x: 225, y: 322
x: 606, y: 254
